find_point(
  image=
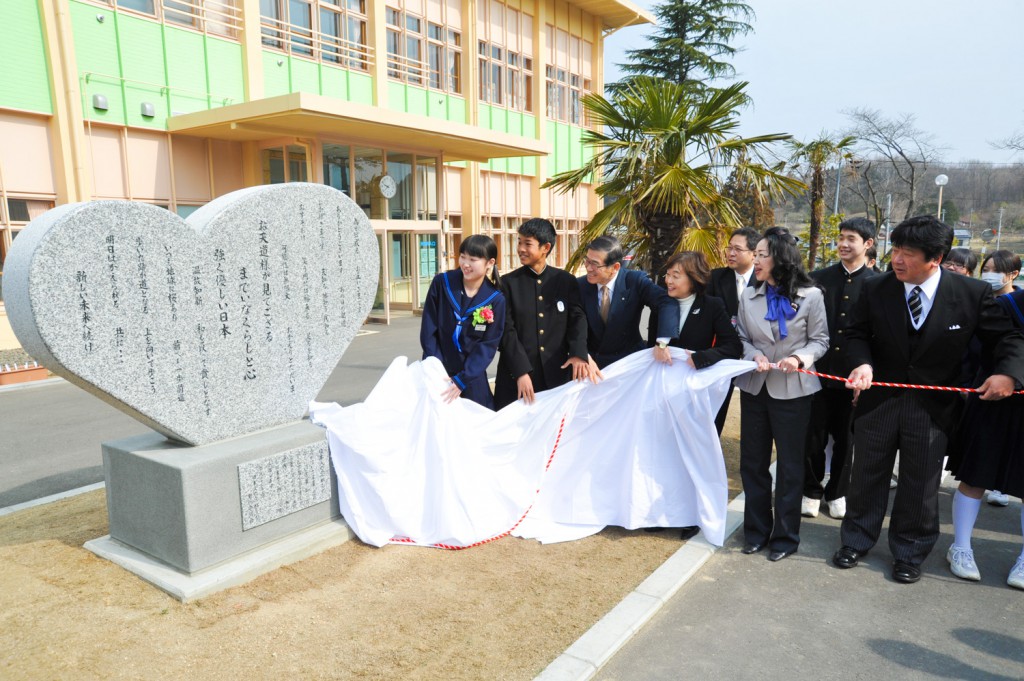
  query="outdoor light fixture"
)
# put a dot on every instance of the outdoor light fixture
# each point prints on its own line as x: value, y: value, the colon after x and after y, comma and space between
x: 147, y: 110
x: 940, y: 182
x: 99, y: 102
x: 100, y: 18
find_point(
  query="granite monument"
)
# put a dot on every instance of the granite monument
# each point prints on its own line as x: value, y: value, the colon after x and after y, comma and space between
x: 215, y: 331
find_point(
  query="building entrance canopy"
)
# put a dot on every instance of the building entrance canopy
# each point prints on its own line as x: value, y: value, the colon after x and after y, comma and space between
x: 301, y: 114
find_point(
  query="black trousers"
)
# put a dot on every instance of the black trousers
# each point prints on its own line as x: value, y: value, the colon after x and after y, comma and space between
x: 899, y: 423
x: 831, y: 414
x: 724, y: 411
x: 764, y: 420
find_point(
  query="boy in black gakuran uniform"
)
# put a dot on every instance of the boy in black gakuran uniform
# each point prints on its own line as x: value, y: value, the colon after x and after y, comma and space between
x: 545, y: 339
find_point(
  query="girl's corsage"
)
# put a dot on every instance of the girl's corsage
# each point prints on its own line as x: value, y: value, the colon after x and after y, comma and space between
x: 483, y: 315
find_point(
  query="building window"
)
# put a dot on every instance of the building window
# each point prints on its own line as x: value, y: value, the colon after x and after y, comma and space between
x: 505, y: 57
x: 567, y: 76
x: 331, y: 31
x: 14, y: 215
x: 423, y: 53
x: 286, y: 164
x: 220, y: 17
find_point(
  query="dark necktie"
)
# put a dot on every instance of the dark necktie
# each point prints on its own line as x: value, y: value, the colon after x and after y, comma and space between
x: 914, y: 302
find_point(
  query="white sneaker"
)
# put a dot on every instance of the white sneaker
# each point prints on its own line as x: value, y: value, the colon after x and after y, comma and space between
x: 837, y: 508
x: 809, y: 507
x: 893, y: 482
x: 961, y: 563
x: 1016, y: 578
x: 997, y: 498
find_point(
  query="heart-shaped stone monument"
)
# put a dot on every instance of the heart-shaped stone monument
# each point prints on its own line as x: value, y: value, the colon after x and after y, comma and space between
x: 206, y: 328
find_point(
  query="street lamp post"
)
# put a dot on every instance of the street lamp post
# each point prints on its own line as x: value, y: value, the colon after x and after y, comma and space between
x: 940, y: 182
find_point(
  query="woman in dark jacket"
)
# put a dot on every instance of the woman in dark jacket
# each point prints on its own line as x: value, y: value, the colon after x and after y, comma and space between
x: 706, y: 328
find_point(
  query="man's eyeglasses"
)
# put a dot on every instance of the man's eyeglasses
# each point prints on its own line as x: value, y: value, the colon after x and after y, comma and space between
x: 733, y: 249
x: 593, y: 264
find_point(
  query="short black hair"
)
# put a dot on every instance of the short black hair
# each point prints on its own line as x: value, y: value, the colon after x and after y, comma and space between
x: 1003, y: 261
x: 926, y: 233
x: 608, y: 245
x: 750, y: 234
x: 540, y: 229
x: 964, y: 257
x: 861, y: 226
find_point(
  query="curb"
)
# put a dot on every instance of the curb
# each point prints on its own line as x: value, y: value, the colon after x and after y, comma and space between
x: 582, y: 660
x: 32, y: 384
x: 53, y: 497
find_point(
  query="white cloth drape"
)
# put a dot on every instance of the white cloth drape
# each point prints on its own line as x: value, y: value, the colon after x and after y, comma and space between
x: 637, y: 450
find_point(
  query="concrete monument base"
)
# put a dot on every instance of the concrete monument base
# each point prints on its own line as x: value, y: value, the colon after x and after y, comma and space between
x: 239, y: 570
x: 231, y: 509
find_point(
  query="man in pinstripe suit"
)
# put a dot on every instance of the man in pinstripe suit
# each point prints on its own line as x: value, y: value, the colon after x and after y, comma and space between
x: 912, y: 325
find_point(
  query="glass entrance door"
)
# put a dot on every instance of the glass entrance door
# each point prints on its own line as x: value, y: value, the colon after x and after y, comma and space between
x: 428, y: 263
x: 401, y: 270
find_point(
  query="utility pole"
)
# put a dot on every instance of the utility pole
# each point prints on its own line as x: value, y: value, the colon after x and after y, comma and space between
x: 888, y: 212
x: 999, y: 229
x: 839, y: 178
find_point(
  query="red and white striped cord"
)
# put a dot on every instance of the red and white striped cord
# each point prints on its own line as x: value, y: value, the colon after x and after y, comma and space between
x: 883, y: 384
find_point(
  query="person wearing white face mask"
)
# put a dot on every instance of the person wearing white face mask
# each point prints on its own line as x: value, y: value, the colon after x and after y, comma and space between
x: 986, y: 452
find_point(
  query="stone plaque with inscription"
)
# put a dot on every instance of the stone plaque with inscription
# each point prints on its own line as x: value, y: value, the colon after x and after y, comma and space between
x: 203, y: 329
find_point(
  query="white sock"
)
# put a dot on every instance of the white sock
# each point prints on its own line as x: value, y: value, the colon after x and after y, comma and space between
x: 965, y: 512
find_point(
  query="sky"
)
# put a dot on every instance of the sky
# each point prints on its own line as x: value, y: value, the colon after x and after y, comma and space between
x: 958, y: 67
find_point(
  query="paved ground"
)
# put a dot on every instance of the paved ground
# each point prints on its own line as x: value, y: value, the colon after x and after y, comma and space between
x: 50, y: 433
x: 742, y: 617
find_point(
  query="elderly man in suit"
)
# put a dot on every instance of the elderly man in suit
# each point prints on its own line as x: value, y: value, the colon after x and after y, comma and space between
x: 912, y: 325
x: 613, y: 300
x: 832, y: 408
x: 729, y: 282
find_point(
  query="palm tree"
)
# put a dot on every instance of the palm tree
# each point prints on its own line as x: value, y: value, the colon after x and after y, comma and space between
x: 662, y: 152
x: 817, y: 154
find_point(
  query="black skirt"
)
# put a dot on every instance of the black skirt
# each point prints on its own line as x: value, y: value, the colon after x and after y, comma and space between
x: 987, y: 450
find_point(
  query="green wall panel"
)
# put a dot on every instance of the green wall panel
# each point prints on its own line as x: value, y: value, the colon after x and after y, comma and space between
x: 396, y: 96
x: 96, y: 54
x: 334, y: 82
x: 416, y: 100
x: 360, y: 88
x: 132, y: 60
x: 456, y: 109
x: 530, y: 166
x: 275, y: 76
x: 144, y: 70
x: 225, y: 71
x: 25, y: 83
x: 305, y: 75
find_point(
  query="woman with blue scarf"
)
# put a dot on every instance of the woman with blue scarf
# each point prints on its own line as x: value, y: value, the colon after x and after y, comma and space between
x: 782, y: 325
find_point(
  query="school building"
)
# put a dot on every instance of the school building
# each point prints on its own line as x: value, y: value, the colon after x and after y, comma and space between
x: 440, y: 118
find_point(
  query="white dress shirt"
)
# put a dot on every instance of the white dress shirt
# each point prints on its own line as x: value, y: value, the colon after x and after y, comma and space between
x: 928, y: 288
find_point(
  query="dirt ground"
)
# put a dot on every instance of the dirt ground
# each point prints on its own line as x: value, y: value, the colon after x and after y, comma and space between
x: 501, y: 611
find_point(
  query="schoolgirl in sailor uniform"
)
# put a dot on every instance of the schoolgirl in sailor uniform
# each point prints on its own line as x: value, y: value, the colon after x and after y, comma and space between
x: 463, y: 319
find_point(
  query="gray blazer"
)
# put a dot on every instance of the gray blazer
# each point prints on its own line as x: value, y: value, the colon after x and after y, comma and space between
x: 807, y: 338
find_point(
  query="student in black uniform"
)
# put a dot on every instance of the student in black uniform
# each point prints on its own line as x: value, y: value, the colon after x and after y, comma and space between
x: 545, y: 339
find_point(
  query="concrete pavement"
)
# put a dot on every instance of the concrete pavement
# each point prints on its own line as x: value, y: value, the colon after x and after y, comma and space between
x: 742, y: 617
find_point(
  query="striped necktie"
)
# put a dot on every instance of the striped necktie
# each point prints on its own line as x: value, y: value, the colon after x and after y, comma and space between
x: 914, y: 303
x: 606, y: 303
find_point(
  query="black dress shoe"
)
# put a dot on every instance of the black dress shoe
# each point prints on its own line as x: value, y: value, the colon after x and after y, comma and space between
x: 847, y: 557
x: 689, y: 532
x: 905, y: 573
x: 776, y: 556
x: 750, y: 548
x: 654, y: 529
